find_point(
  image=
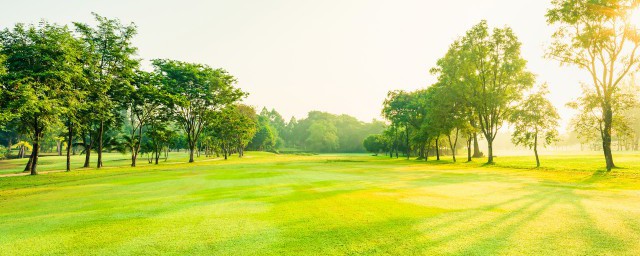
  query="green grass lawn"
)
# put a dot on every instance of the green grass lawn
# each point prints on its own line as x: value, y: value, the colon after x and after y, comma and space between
x: 323, y: 204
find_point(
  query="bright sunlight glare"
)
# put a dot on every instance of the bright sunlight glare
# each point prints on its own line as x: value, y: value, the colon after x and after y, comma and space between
x: 634, y: 17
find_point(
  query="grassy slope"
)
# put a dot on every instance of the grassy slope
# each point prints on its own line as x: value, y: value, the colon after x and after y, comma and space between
x: 328, y: 204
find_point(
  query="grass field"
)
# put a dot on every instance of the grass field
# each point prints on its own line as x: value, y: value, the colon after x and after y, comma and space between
x: 324, y: 205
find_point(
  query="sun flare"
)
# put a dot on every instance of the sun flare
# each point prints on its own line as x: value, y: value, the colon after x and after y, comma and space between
x: 634, y: 17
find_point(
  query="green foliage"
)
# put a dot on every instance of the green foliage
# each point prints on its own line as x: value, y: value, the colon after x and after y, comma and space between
x: 589, y: 122
x: 41, y: 64
x: 535, y: 122
x: 234, y: 128
x: 497, y: 77
x: 145, y: 103
x: 535, y: 118
x: 197, y: 92
x: 108, y: 66
x: 347, y: 131
x: 265, y: 136
x: 322, y: 137
x: 375, y: 143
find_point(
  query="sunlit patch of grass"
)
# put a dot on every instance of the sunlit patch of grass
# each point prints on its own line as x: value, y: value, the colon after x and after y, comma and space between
x: 336, y: 204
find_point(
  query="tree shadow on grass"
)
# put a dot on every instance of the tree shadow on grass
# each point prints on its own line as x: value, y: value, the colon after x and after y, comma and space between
x: 496, y: 234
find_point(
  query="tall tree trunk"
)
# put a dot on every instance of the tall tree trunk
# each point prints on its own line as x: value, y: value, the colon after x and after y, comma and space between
x: 469, y: 141
x: 606, y: 135
x: 476, y: 146
x: 133, y: 159
x: 27, y: 168
x: 406, y: 131
x: 135, y: 147
x: 36, y: 149
x: 100, y: 135
x: 191, y: 149
x: 437, y: 148
x: 490, y: 149
x: 453, y: 144
x: 395, y: 142
x: 87, y: 149
x: 157, y: 153
x: 197, y: 149
x: 426, y: 154
x: 69, y: 145
x: 535, y: 149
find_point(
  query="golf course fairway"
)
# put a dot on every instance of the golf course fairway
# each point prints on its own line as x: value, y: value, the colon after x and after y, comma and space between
x: 268, y: 204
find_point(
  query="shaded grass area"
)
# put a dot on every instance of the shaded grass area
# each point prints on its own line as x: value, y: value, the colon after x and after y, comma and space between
x: 324, y: 205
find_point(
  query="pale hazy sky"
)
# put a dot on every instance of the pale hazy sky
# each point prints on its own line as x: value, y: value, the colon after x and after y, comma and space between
x: 340, y: 56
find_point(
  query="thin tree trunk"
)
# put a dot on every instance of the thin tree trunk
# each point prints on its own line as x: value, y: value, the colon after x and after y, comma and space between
x: 395, y: 142
x: 100, y: 135
x: 36, y: 149
x: 606, y: 136
x: 69, y: 143
x: 34, y: 164
x: 191, y: 149
x: 157, y: 153
x: 426, y: 155
x: 535, y: 149
x: 87, y: 150
x: 408, y: 146
x: 490, y: 149
x: 469, y: 141
x: 437, y: 148
x: 453, y: 144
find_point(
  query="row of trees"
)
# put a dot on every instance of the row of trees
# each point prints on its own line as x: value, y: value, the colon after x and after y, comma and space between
x: 318, y: 132
x: 88, y: 80
x: 481, y: 83
x: 482, y: 80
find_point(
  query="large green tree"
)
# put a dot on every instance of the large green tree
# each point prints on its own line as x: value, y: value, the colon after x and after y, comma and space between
x: 598, y: 37
x: 234, y: 127
x: 41, y: 65
x: 145, y: 103
x: 197, y: 94
x: 497, y: 76
x: 457, y: 94
x: 109, y: 64
x: 398, y: 109
x: 374, y: 143
x: 535, y: 122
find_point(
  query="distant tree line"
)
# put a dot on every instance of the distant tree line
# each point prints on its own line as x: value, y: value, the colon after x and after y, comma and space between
x: 319, y: 132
